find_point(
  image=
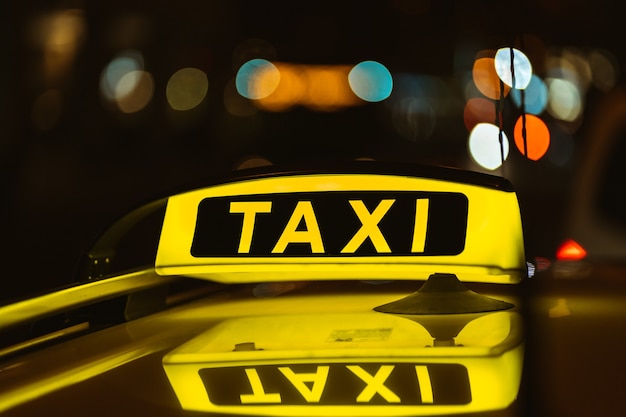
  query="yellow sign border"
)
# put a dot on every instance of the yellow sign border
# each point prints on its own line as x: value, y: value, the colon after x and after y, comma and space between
x: 494, y: 250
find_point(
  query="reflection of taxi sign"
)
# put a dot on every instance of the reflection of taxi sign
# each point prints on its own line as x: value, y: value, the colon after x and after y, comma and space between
x: 352, y: 364
x: 339, y: 384
x: 344, y: 226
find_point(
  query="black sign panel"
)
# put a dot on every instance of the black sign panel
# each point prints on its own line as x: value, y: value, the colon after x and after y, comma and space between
x: 339, y: 384
x: 332, y: 224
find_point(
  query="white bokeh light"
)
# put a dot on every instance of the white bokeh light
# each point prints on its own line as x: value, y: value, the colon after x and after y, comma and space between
x: 519, y: 78
x: 484, y: 146
x: 124, y: 63
x: 564, y: 100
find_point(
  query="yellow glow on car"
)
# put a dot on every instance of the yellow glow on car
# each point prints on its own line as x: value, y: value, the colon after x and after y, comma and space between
x: 303, y: 353
x: 76, y: 296
x: 71, y: 376
x: 286, y: 212
x: 354, y: 363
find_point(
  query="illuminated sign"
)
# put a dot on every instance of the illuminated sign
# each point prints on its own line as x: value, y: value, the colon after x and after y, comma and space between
x: 332, y: 224
x: 343, y: 226
x: 351, y: 364
x: 339, y: 384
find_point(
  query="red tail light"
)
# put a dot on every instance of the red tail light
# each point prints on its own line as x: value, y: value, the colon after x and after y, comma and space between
x: 570, y: 250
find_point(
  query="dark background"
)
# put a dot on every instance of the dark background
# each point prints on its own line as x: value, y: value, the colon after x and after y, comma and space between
x: 62, y: 185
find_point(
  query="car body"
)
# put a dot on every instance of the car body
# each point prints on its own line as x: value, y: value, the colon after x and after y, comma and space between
x: 367, y: 289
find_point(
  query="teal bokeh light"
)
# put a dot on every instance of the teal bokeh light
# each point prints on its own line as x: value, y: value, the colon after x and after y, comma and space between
x: 371, y: 81
x: 247, y: 79
x: 535, y: 96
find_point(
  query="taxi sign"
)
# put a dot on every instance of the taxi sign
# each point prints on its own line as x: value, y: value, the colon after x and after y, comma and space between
x: 336, y: 225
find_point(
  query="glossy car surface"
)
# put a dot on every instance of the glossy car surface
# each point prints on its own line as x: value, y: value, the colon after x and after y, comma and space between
x: 122, y: 369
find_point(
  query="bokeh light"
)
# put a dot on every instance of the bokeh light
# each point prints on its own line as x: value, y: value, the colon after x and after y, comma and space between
x: 604, y: 69
x: 485, y: 147
x: 371, y: 81
x: 284, y: 85
x: 487, y: 80
x: 186, y: 88
x: 257, y: 78
x: 478, y: 110
x: 125, y: 62
x: 289, y: 91
x: 576, y: 63
x: 519, y: 76
x: 564, y: 100
x: 535, y: 142
x: 327, y: 87
x: 535, y: 96
x: 59, y: 34
x: 134, y: 91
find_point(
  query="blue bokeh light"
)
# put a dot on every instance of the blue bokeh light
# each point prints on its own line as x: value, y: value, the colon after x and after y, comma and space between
x: 535, y: 96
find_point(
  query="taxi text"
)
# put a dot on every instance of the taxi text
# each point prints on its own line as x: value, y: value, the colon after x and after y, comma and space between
x: 304, y: 214
x: 311, y: 385
x: 340, y: 224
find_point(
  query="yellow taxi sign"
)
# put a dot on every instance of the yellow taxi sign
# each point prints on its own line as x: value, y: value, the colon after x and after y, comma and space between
x: 334, y: 225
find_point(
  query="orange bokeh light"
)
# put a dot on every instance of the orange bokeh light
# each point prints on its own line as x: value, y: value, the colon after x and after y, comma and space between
x: 323, y: 88
x: 537, y: 137
x: 289, y: 90
x: 486, y: 79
